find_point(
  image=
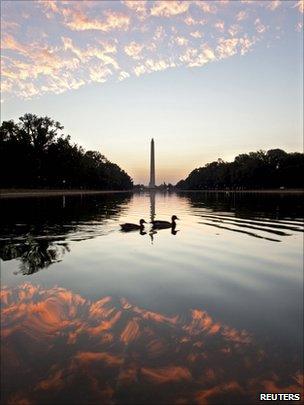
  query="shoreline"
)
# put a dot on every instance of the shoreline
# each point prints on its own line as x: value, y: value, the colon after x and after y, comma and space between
x: 23, y: 193
x: 15, y: 193
x: 267, y: 191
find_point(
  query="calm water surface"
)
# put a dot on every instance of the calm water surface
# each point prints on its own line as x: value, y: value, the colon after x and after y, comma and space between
x: 210, y: 313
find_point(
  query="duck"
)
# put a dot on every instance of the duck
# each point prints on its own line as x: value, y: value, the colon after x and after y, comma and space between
x: 165, y: 224
x: 133, y: 227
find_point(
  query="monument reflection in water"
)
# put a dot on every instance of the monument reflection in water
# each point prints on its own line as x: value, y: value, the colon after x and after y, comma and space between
x: 211, y: 314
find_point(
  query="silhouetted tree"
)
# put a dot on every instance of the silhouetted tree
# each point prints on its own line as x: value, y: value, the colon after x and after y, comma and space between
x: 35, y: 153
x: 256, y: 170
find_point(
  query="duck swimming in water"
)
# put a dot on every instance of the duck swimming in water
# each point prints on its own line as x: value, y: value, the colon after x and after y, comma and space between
x: 164, y: 224
x: 133, y: 227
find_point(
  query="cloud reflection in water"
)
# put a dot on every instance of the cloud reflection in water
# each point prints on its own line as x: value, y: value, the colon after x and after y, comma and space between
x: 59, y: 347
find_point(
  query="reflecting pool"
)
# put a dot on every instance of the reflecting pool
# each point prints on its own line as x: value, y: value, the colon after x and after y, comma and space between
x: 208, y: 312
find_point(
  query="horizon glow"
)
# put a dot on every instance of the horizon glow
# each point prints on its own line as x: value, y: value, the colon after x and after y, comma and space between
x: 205, y: 79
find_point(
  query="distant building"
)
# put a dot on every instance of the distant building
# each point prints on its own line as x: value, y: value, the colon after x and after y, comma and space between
x: 152, y: 166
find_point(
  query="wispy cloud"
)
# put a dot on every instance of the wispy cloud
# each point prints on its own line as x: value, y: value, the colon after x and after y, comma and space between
x: 53, y: 46
x: 139, y: 6
x: 181, y: 41
x: 300, y: 6
x: 259, y: 26
x: 227, y: 47
x: 272, y: 5
x: 169, y: 8
x: 196, y: 34
x: 133, y: 49
x: 220, y: 26
x: 80, y: 22
x: 207, y: 6
x: 241, y: 15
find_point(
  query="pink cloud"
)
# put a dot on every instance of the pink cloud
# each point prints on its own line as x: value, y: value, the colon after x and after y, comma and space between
x: 181, y: 41
x: 227, y: 47
x: 169, y: 8
x: 196, y: 34
x: 96, y: 44
x: 133, y: 49
x: 78, y: 21
x: 138, y: 6
x: 273, y: 5
x: 220, y: 26
x: 206, y: 6
x: 300, y: 6
x: 259, y: 26
x: 241, y: 15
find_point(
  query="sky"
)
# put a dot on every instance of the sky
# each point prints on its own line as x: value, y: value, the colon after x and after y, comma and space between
x: 205, y: 79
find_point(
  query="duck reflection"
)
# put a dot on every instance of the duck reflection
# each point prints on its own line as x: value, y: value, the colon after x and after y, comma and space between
x: 159, y: 224
x: 153, y: 232
x: 122, y: 353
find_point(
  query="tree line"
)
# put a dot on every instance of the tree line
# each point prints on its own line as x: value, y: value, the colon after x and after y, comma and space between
x: 255, y: 170
x: 34, y: 153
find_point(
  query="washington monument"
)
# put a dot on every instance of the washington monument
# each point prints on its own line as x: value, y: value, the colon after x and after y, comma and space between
x: 152, y: 166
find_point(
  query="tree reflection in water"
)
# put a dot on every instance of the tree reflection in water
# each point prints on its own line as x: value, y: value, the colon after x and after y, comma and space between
x: 112, y: 351
x: 38, y: 234
x: 249, y: 205
x: 34, y: 254
x: 270, y: 217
